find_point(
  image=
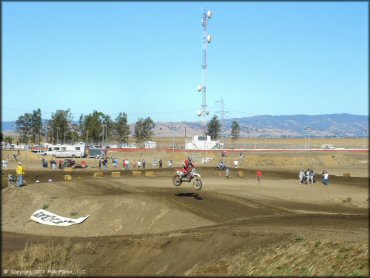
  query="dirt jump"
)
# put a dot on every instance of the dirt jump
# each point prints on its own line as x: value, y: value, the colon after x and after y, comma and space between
x: 140, y: 224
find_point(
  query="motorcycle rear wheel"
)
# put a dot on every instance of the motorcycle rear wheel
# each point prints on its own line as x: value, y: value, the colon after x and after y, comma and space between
x: 197, y: 184
x: 176, y: 181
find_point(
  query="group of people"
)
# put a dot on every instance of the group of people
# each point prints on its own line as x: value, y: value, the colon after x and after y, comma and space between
x: 309, y: 176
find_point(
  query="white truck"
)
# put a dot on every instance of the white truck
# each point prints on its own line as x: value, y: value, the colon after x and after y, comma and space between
x: 327, y: 147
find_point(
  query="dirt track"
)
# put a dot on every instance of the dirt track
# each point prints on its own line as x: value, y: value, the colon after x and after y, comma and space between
x: 146, y: 226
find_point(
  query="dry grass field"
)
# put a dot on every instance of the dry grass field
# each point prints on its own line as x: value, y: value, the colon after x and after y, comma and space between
x: 270, y: 143
x: 140, y: 224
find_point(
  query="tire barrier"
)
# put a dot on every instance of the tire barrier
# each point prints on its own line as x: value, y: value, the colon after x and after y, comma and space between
x: 150, y: 174
x: 137, y: 173
x: 98, y: 174
x: 241, y: 174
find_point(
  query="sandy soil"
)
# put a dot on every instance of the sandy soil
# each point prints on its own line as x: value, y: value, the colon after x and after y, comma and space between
x: 146, y: 226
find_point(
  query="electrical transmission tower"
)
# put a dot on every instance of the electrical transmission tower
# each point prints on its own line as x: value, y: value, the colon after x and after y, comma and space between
x: 222, y: 115
x: 206, y: 15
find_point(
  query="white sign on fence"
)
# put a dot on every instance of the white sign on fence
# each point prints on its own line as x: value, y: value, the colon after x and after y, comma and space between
x: 48, y: 218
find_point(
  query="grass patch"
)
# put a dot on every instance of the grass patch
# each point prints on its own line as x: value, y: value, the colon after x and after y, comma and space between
x: 298, y: 257
x: 73, y: 213
x: 48, y: 256
x: 45, y: 206
x: 298, y: 238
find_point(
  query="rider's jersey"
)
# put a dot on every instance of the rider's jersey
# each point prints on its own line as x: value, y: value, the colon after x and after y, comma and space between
x: 187, y: 165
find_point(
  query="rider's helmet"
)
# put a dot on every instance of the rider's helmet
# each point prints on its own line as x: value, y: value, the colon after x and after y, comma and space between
x: 190, y: 159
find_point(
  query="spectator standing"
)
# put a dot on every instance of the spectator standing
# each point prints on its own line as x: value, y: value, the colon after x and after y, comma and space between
x: 169, y: 163
x: 160, y: 163
x: 124, y: 164
x: 127, y: 163
x: 301, y: 176
x: 154, y: 163
x: 325, y: 178
x: 60, y: 164
x: 227, y: 172
x: 105, y: 163
x: 5, y: 164
x: 139, y: 164
x: 143, y: 162
x: 99, y: 164
x: 135, y: 164
x: 20, y: 171
x: 307, y: 173
x: 259, y: 175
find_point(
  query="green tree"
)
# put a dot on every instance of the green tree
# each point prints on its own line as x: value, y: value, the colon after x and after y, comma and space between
x: 96, y: 127
x: 60, y: 125
x: 75, y: 132
x: 92, y: 127
x: 235, y: 130
x: 122, y: 127
x: 8, y: 139
x: 143, y: 129
x: 214, y: 128
x: 23, y: 125
x: 109, y: 127
x: 36, y: 126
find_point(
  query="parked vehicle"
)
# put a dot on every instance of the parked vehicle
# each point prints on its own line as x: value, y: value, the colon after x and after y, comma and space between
x: 76, y: 150
x: 96, y: 152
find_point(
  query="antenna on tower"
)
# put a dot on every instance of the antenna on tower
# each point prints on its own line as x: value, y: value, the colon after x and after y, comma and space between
x: 206, y: 15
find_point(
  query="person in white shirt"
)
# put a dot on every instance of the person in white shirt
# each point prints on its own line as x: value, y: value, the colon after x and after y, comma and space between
x: 301, y: 176
x: 325, y: 178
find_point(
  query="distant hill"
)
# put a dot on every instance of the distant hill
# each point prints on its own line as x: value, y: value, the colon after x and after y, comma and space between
x: 331, y: 125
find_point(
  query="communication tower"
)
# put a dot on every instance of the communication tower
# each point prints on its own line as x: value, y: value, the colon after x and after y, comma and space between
x: 206, y: 15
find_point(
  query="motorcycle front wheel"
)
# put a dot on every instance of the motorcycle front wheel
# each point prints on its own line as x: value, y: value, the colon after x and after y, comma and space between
x: 176, y: 180
x: 197, y: 184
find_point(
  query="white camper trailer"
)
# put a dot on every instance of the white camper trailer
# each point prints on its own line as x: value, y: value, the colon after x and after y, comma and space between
x: 65, y: 150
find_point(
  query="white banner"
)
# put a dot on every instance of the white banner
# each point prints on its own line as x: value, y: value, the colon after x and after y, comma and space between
x: 48, y: 218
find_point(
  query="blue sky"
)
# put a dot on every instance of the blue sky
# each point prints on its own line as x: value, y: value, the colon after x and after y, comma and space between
x: 145, y: 58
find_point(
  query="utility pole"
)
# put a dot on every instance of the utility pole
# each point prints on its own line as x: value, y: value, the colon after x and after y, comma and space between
x: 58, y: 135
x: 364, y: 131
x: 103, y: 134
x: 173, y: 138
x: 245, y: 135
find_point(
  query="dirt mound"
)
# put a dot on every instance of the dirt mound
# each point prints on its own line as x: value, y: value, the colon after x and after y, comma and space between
x: 114, y: 209
x: 146, y: 226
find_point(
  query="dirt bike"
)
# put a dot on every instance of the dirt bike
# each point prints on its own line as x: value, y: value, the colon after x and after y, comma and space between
x: 181, y: 177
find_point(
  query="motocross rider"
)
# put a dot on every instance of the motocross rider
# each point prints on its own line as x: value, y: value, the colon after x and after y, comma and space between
x: 188, y: 165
